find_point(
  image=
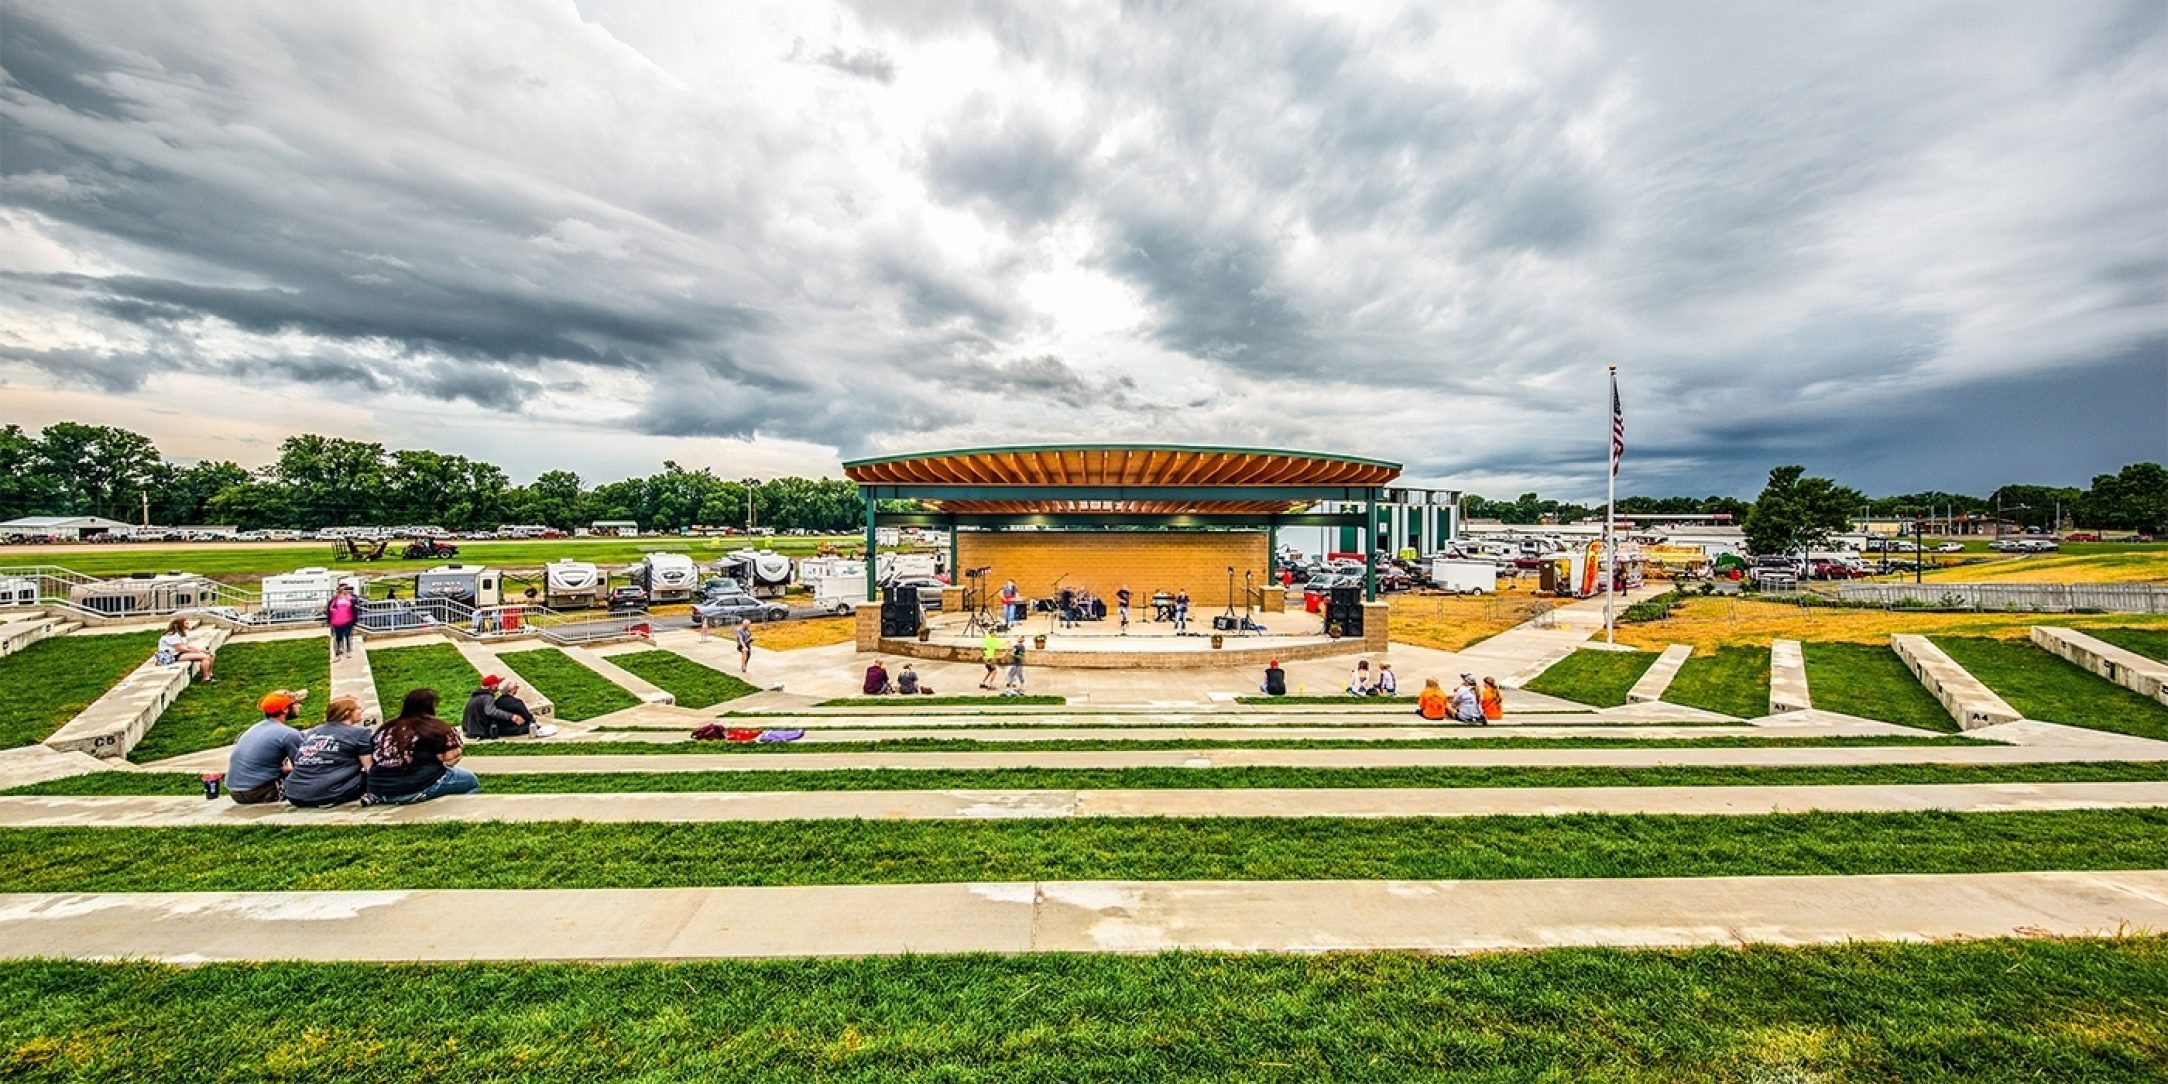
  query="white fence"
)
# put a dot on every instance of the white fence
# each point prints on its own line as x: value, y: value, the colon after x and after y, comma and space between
x: 2128, y: 598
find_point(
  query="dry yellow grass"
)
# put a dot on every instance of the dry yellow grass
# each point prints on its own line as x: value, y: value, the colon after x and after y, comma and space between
x: 1452, y: 622
x: 2062, y: 568
x: 1717, y: 622
x: 809, y: 632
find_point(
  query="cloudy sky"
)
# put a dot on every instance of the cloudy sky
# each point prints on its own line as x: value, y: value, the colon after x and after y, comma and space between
x: 1912, y: 245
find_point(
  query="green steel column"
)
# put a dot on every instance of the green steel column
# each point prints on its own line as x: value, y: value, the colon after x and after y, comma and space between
x: 954, y: 577
x: 872, y: 541
x: 1272, y: 550
x: 1370, y: 546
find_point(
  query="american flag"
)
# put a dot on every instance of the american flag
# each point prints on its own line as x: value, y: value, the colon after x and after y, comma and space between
x: 1618, y: 426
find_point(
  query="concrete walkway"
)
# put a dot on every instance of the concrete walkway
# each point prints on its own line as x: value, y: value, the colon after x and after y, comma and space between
x: 921, y: 805
x: 1224, y: 734
x: 1056, y: 759
x: 1073, y: 916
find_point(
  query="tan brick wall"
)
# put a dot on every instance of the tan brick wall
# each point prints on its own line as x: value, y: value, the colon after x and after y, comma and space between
x: 1103, y: 561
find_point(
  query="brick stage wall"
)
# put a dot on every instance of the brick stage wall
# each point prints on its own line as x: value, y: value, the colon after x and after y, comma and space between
x: 1104, y: 560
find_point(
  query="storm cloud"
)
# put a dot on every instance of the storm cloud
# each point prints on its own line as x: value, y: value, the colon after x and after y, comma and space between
x: 1908, y: 246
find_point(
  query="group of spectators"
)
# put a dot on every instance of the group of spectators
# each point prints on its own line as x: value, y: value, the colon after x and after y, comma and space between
x: 412, y: 758
x: 1470, y: 701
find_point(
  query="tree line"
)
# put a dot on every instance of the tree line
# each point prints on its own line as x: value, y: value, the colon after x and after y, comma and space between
x: 69, y: 468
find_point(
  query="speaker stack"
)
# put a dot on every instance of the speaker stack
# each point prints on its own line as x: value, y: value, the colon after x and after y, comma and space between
x: 1344, y: 610
x: 899, y: 612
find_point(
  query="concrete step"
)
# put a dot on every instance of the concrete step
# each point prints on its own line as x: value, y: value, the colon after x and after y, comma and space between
x: 23, y: 766
x: 2141, y: 675
x: 1788, y: 678
x: 1966, y: 698
x: 20, y: 632
x: 1657, y: 679
x: 352, y: 676
x: 660, y: 732
x: 113, y: 723
x: 1075, y: 916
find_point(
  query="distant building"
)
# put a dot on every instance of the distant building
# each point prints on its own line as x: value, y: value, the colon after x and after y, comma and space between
x: 72, y: 528
x: 615, y: 527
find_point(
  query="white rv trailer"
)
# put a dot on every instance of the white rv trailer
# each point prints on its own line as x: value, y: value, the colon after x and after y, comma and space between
x: 668, y: 577
x: 1464, y: 577
x: 473, y: 585
x: 303, y: 591
x: 569, y: 582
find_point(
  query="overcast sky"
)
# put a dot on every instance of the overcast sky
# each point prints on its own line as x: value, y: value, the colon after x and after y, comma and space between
x: 1910, y: 245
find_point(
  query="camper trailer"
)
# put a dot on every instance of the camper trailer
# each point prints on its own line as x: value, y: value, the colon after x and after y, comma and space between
x: 1464, y: 577
x: 302, y: 592
x: 567, y: 582
x: 18, y: 591
x: 761, y: 571
x: 471, y: 585
x: 146, y: 593
x: 667, y: 577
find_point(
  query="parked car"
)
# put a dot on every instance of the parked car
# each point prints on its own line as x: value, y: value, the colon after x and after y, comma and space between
x: 721, y: 585
x: 729, y: 609
x: 929, y: 589
x: 630, y: 598
x: 1950, y: 547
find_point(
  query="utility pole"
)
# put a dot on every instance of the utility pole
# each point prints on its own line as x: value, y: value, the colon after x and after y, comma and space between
x: 146, y: 495
x: 748, y: 484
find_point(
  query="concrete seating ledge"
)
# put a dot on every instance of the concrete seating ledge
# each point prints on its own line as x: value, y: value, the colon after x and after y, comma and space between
x: 1657, y: 678
x: 1966, y: 698
x: 20, y: 632
x: 1788, y: 678
x: 484, y: 658
x: 114, y: 722
x: 2141, y: 675
x: 647, y: 691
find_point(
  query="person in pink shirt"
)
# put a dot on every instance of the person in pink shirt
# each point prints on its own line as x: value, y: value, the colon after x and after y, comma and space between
x: 342, y: 613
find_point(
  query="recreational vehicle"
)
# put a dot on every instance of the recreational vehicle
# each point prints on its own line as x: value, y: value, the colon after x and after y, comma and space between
x: 146, y: 593
x: 1463, y: 576
x: 568, y: 582
x: 667, y: 577
x: 302, y: 592
x: 470, y: 585
x: 758, y: 570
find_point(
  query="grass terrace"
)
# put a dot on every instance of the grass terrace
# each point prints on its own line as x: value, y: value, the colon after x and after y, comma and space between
x: 432, y: 666
x: 694, y: 685
x: 572, y: 854
x: 2045, y: 687
x: 248, y: 562
x: 1872, y: 683
x: 1972, y: 1011
x: 51, y: 681
x: 1594, y: 677
x: 2151, y: 643
x: 578, y: 692
x: 982, y: 700
x: 1731, y: 680
x: 1720, y: 621
x: 964, y: 745
x: 208, y: 716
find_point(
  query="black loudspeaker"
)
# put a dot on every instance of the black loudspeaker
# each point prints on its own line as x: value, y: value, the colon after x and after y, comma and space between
x: 1345, y: 609
x: 899, y: 612
x: 1224, y: 623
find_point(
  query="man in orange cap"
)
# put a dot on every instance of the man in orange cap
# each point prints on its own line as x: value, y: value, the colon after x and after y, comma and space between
x: 256, y: 772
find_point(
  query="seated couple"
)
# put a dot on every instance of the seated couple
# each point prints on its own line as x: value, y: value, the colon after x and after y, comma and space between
x: 906, y: 682
x: 411, y: 759
x: 496, y: 711
x: 1467, y: 703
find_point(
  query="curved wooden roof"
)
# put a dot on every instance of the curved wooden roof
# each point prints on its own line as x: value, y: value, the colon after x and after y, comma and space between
x: 1102, y: 465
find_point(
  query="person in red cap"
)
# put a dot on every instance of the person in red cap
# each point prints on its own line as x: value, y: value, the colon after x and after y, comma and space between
x: 482, y: 718
x: 256, y: 772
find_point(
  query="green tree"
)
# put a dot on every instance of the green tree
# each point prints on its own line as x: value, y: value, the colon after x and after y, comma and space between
x: 553, y: 499
x: 97, y: 469
x: 26, y: 489
x: 1796, y: 512
x: 328, y: 482
x: 2033, y: 506
x: 2134, y: 498
x: 184, y: 493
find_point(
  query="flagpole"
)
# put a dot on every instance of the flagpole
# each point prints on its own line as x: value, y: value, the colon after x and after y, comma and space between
x: 1610, y: 516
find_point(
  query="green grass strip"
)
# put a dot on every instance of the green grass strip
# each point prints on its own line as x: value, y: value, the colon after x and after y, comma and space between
x: 1598, y: 678
x: 573, y: 854
x: 430, y: 666
x: 1343, y: 700
x: 51, y: 681
x: 1872, y: 683
x: 2003, y: 1010
x: 985, y: 700
x: 958, y: 745
x: 2151, y: 643
x: 1732, y: 680
x: 578, y: 692
x: 694, y: 685
x: 185, y: 783
x: 208, y: 716
x: 2044, y: 687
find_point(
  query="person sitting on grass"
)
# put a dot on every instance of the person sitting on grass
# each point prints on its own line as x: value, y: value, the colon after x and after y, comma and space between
x: 1467, y: 704
x: 482, y: 718
x: 1387, y: 685
x: 1431, y: 703
x: 173, y: 647
x: 908, y: 684
x: 331, y: 766
x: 508, y: 700
x: 877, y: 683
x: 1492, y: 699
x: 1358, y: 683
x: 1275, y: 683
x: 416, y: 756
x: 263, y: 754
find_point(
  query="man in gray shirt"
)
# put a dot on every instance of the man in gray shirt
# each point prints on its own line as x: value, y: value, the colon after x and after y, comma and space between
x: 256, y: 772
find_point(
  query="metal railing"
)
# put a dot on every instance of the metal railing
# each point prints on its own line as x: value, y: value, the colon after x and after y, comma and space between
x: 508, y: 621
x: 2134, y: 598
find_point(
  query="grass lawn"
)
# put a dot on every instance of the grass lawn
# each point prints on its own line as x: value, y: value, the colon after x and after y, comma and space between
x: 2141, y: 564
x: 964, y: 745
x: 572, y: 854
x: 2047, y: 688
x: 244, y: 562
x: 1732, y: 680
x: 2151, y: 643
x: 982, y: 700
x: 1599, y: 678
x: 1721, y: 621
x: 433, y: 666
x: 185, y: 783
x: 48, y: 683
x: 1872, y: 683
x: 1972, y: 1011
x: 805, y: 632
x: 578, y: 693
x: 1452, y: 622
x: 1342, y: 700
x: 207, y: 716
x: 694, y: 685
